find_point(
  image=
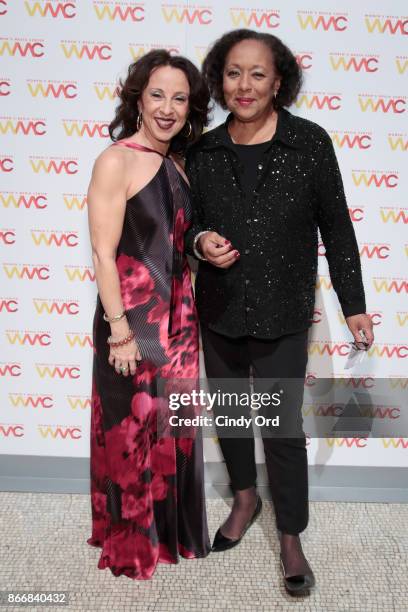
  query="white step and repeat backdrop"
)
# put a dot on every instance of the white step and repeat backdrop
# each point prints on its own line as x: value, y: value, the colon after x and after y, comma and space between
x: 60, y: 61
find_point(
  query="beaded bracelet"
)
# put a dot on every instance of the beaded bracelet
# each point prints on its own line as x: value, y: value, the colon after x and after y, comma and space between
x: 195, y: 245
x: 113, y: 319
x: 115, y: 344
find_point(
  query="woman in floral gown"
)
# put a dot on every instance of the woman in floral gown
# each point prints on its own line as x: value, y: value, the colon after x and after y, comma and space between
x: 147, y: 489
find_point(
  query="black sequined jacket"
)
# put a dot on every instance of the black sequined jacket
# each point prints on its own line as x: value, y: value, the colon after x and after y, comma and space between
x: 270, y: 290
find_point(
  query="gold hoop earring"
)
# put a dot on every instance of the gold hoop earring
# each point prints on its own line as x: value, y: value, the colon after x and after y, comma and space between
x: 190, y: 128
x: 139, y: 122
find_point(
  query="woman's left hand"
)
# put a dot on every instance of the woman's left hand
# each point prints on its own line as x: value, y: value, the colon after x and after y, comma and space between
x: 363, y: 322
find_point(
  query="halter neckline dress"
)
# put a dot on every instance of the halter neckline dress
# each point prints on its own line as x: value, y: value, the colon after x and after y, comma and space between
x: 147, y: 491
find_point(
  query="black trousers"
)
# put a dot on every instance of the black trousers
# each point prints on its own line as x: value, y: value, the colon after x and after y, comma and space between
x: 286, y: 458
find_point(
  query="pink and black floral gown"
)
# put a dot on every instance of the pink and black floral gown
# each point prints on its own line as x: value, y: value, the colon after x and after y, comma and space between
x: 147, y: 491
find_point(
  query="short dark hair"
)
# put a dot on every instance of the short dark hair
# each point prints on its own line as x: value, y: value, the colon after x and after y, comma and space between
x: 283, y: 58
x: 129, y: 92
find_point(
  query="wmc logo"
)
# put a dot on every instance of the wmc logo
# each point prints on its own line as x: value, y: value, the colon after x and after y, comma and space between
x: 54, y: 238
x: 346, y: 442
x: 324, y: 282
x: 106, y: 91
x: 74, y: 201
x: 383, y: 104
x: 8, y: 305
x: 322, y: 348
x: 317, y: 316
x: 45, y: 370
x: 396, y: 382
x: 5, y: 86
x: 83, y: 273
x: 90, y: 128
x: 79, y: 340
x: 319, y: 101
x: 11, y: 431
x: 10, y: 369
x: 27, y: 271
x: 61, y: 431
x: 21, y: 47
x: 399, y: 351
x: 57, y: 306
x: 23, y: 200
x: 365, y: 382
x: 28, y: 338
x: 54, y: 165
x: 201, y: 15
x: 375, y: 251
x: 390, y: 285
x: 398, y: 142
x: 79, y: 401
x: 394, y: 215
x: 254, y: 18
x: 304, y: 59
x: 354, y: 62
x: 3, y: 7
x: 23, y: 126
x: 375, y: 178
x: 86, y: 50
x: 24, y: 400
x: 356, y: 213
x: 6, y: 163
x: 383, y: 24
x: 351, y: 140
x: 137, y: 51
x: 7, y: 236
x: 66, y: 10
x: 395, y: 442
x: 334, y: 22
x: 53, y: 89
x: 123, y: 11
x: 402, y: 320
x: 401, y: 63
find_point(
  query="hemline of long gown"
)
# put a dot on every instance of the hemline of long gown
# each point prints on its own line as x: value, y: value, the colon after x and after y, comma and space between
x: 104, y: 562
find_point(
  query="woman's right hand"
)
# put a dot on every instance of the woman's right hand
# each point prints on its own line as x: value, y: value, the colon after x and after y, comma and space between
x: 217, y: 250
x: 125, y: 356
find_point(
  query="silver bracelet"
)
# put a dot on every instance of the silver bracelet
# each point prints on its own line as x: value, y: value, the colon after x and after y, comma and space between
x: 195, y: 243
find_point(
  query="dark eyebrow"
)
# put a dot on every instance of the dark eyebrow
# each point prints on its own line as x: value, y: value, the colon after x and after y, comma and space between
x: 176, y: 94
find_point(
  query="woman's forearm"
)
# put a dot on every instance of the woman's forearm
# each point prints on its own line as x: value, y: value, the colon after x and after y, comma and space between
x: 107, y: 280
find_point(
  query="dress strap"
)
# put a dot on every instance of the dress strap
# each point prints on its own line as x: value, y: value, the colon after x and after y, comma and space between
x: 139, y: 147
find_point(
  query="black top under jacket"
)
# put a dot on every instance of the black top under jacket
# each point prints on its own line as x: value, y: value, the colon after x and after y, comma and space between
x: 270, y: 290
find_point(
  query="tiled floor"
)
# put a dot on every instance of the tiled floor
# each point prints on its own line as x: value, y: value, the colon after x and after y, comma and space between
x: 359, y: 553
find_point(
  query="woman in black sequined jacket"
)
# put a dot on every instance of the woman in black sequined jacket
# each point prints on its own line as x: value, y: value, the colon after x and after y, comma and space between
x: 263, y: 183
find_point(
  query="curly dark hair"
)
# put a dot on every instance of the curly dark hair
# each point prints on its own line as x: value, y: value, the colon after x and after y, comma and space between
x: 129, y: 92
x: 285, y: 63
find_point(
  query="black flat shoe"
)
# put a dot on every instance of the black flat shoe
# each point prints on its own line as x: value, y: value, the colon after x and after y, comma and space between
x: 299, y: 585
x: 221, y: 542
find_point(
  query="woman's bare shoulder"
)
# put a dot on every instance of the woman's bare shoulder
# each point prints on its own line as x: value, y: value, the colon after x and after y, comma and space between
x: 112, y: 163
x: 111, y: 158
x: 110, y: 168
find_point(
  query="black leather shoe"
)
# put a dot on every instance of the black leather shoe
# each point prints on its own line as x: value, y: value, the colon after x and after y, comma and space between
x: 299, y: 585
x: 221, y: 542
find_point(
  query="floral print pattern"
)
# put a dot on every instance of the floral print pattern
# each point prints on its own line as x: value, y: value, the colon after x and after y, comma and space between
x: 147, y: 490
